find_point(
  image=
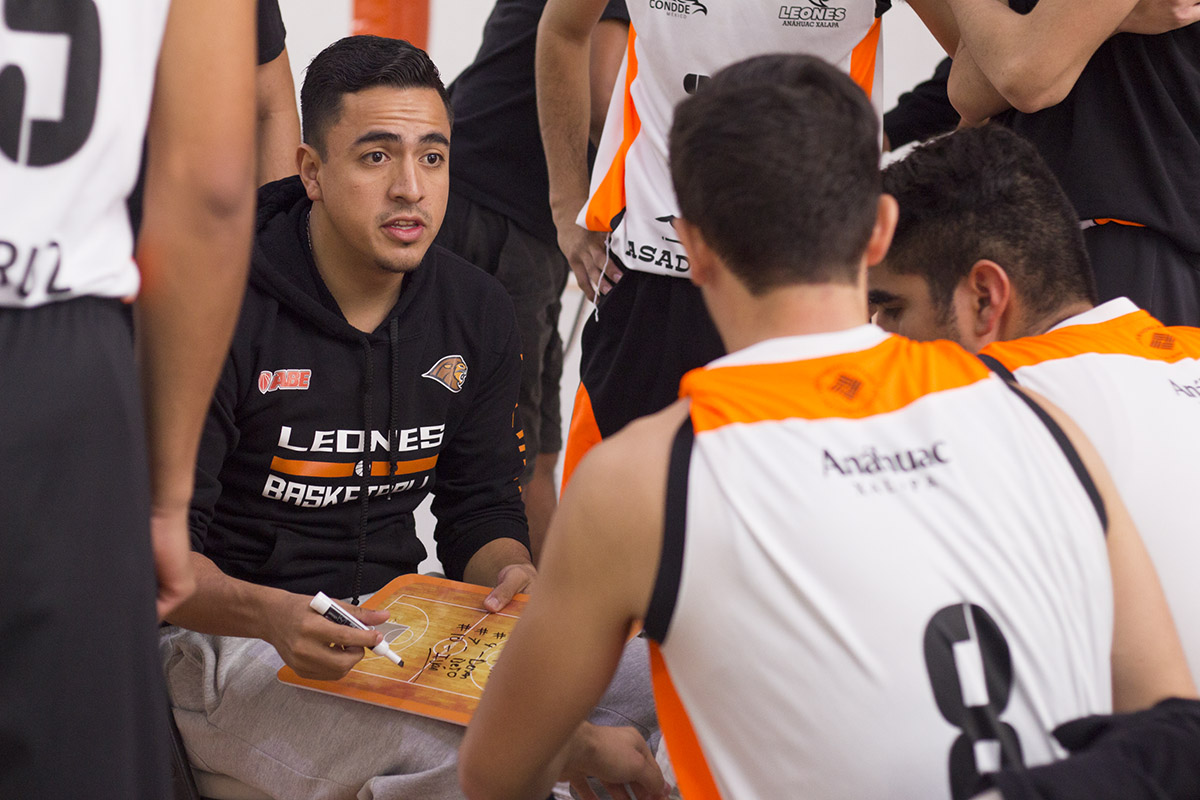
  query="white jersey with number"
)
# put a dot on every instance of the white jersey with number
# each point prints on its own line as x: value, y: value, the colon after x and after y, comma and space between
x: 1133, y: 386
x: 890, y: 578
x: 76, y: 78
x: 674, y: 46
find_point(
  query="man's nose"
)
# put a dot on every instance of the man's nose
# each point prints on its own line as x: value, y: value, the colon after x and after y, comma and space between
x: 406, y: 182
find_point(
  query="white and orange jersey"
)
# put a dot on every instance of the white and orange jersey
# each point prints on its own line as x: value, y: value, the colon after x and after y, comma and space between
x: 1133, y: 386
x: 674, y: 46
x: 881, y: 575
x: 73, y: 110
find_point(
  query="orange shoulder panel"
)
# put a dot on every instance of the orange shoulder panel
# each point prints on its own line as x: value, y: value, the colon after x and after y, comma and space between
x: 855, y: 385
x: 1133, y: 334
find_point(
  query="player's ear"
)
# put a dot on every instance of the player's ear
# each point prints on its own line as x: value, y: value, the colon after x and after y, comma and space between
x: 990, y: 297
x: 308, y: 165
x: 887, y: 213
x: 701, y: 258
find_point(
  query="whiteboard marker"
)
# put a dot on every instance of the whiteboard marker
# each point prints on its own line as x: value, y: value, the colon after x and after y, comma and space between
x: 335, y: 613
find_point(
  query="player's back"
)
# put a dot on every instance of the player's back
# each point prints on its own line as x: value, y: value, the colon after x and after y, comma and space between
x: 1133, y: 386
x: 75, y: 92
x: 888, y: 576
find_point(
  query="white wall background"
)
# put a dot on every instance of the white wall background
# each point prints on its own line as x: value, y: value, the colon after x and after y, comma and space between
x: 456, y: 26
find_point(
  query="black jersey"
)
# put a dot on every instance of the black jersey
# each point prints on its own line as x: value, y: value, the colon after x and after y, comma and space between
x: 1125, y: 143
x: 497, y: 159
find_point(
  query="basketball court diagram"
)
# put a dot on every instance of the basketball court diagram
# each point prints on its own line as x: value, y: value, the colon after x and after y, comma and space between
x: 448, y: 642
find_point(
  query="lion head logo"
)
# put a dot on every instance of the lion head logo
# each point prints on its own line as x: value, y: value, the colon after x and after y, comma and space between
x: 449, y: 371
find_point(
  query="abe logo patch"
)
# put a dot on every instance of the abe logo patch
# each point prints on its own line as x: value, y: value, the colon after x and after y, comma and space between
x: 449, y: 371
x: 298, y: 379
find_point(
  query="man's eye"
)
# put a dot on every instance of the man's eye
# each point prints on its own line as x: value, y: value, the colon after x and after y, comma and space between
x: 433, y: 159
x: 889, y: 312
x: 375, y: 157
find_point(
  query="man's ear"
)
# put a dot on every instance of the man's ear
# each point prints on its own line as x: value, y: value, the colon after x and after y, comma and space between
x: 701, y: 258
x: 887, y: 213
x: 988, y: 300
x: 308, y: 165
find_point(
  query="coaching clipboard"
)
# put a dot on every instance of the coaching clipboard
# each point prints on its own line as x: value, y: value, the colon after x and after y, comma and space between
x: 449, y: 643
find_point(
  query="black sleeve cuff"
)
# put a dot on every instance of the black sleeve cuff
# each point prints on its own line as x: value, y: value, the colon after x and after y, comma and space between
x: 457, y: 549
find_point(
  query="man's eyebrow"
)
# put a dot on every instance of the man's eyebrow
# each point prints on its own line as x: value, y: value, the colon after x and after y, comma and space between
x: 878, y: 297
x: 394, y: 138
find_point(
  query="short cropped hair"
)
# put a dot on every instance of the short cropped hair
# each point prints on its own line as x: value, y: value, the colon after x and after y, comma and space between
x: 985, y: 193
x: 776, y: 161
x: 361, y: 62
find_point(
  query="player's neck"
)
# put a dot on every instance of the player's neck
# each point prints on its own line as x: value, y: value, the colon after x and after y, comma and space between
x: 1057, y: 316
x: 790, y: 311
x: 364, y: 293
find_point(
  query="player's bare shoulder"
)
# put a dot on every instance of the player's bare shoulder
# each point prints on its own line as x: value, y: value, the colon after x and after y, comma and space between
x: 623, y: 479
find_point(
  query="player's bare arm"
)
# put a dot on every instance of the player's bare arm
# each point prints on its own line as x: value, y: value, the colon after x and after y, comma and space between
x: 307, y: 642
x: 598, y: 572
x: 608, y: 51
x: 504, y: 564
x: 1148, y: 664
x: 1047, y: 74
x: 278, y: 120
x: 564, y: 113
x: 1034, y: 59
x: 193, y: 250
x: 1160, y: 16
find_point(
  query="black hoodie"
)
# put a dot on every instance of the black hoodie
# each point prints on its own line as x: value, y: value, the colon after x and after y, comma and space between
x: 280, y: 497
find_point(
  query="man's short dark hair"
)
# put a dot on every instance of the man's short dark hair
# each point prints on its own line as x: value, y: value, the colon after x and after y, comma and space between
x: 985, y: 193
x: 776, y: 161
x: 361, y: 62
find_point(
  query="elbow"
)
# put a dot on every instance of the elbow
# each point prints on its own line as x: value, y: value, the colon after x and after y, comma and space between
x: 1031, y: 98
x: 226, y: 191
x: 1029, y: 86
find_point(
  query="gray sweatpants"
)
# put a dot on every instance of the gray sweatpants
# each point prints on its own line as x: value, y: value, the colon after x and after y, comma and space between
x: 237, y: 719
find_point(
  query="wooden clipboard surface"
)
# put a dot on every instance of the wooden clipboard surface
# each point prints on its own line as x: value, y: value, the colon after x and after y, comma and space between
x: 449, y: 644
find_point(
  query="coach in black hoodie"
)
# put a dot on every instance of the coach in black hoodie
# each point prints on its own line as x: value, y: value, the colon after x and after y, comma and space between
x: 368, y: 369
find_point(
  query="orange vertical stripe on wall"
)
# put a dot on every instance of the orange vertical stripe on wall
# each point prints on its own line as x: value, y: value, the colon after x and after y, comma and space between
x: 397, y: 19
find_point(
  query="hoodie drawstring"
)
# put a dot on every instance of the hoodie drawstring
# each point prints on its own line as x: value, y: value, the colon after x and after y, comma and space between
x: 393, y: 446
x: 393, y: 453
x: 365, y: 484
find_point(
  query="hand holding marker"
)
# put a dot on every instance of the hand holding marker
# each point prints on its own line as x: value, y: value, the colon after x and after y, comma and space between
x: 335, y: 613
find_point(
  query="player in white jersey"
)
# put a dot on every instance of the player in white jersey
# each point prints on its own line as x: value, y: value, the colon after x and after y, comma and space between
x: 988, y: 254
x: 856, y: 589
x: 647, y: 334
x: 94, y: 491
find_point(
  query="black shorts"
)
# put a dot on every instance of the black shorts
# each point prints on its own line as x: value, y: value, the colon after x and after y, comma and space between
x: 534, y: 273
x: 1148, y: 268
x: 643, y: 336
x: 82, y: 702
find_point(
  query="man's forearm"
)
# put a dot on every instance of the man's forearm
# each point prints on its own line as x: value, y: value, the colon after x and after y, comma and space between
x: 226, y: 606
x: 193, y: 250
x: 485, y: 566
x: 278, y: 121
x: 1034, y: 59
x: 563, y: 91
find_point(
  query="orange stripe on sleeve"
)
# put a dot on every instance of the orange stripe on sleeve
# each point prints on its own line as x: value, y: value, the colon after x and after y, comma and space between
x: 336, y: 469
x: 691, y: 767
x: 862, y: 58
x: 1115, y: 221
x: 609, y: 198
x: 884, y: 378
